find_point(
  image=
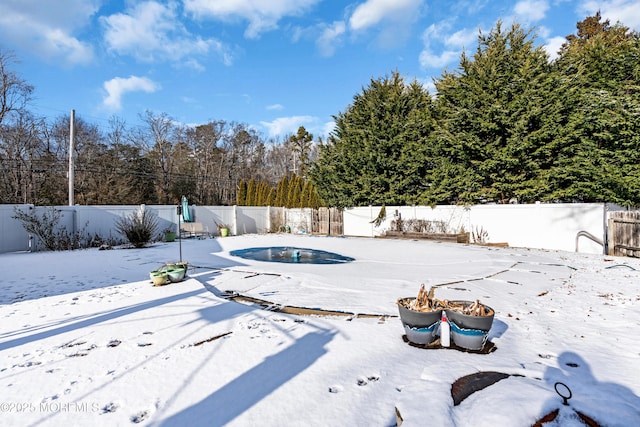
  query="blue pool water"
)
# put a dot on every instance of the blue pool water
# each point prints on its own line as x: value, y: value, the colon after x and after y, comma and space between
x: 291, y: 255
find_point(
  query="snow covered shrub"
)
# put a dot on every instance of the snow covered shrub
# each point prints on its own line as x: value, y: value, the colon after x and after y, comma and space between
x: 45, y: 225
x: 139, y: 227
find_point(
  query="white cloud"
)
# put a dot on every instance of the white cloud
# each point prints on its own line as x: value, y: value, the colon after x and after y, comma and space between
x: 553, y: 46
x: 263, y: 15
x: 373, y: 12
x: 530, y: 11
x: 117, y: 87
x: 329, y: 39
x: 461, y: 38
x: 275, y: 107
x: 429, y: 59
x: 392, y: 19
x: 152, y: 31
x: 287, y: 125
x: 48, y: 31
x: 284, y: 126
x: 450, y: 44
x: 429, y: 85
x: 327, y: 128
x: 626, y: 12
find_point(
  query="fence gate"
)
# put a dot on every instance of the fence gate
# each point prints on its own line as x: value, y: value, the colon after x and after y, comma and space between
x: 328, y: 222
x: 623, y: 233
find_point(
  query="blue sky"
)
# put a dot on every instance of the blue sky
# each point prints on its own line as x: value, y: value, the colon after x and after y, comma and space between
x: 272, y: 64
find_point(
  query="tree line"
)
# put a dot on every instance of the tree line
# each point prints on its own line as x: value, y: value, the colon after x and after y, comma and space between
x: 290, y: 192
x: 508, y: 125
x: 157, y: 162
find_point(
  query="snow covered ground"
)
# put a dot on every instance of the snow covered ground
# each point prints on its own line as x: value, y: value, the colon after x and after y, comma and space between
x: 85, y: 339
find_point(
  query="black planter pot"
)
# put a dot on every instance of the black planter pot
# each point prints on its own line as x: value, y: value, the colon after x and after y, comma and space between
x: 420, y: 327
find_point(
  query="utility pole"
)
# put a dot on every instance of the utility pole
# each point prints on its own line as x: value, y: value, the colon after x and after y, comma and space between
x: 71, y: 167
x: 295, y: 164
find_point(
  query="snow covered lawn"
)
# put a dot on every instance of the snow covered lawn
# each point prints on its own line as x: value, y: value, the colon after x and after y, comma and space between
x: 85, y: 339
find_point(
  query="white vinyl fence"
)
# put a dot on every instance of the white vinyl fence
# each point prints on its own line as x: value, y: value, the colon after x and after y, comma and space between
x: 568, y: 227
x: 559, y: 226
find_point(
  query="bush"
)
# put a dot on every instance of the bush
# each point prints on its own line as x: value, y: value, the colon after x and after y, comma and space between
x: 139, y: 228
x: 98, y: 241
x: 46, y: 228
x: 420, y: 226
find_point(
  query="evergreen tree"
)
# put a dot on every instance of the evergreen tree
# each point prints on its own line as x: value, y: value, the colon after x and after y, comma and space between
x: 251, y: 192
x: 494, y: 120
x: 378, y: 151
x: 304, y: 196
x: 301, y: 147
x: 242, y: 193
x: 263, y: 193
x: 282, y: 192
x: 600, y: 160
x: 293, y: 195
x: 271, y: 198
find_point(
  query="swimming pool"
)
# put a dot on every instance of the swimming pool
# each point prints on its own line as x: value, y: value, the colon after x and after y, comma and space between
x: 291, y: 255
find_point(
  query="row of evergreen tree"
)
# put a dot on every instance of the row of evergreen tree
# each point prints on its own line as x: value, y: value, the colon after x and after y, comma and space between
x: 291, y: 192
x: 509, y: 125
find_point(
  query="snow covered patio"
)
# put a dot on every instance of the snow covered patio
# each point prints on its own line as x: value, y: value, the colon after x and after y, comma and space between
x: 85, y: 338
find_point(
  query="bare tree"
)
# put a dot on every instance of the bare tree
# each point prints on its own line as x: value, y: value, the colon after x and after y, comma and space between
x: 208, y: 157
x: 15, y: 93
x: 21, y: 156
x: 157, y: 142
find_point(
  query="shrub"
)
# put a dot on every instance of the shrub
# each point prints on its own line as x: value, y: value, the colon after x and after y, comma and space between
x: 98, y: 241
x: 139, y: 227
x: 46, y: 227
x: 420, y: 226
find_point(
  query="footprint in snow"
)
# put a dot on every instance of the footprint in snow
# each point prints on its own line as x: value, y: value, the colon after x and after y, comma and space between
x: 50, y: 398
x: 140, y: 417
x: 364, y: 381
x: 335, y: 389
x: 111, y: 407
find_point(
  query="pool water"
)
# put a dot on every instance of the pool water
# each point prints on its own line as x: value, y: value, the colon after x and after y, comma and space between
x: 292, y: 255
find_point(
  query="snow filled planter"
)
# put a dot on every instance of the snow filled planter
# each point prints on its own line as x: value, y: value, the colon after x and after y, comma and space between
x: 169, y: 273
x: 420, y: 317
x: 470, y: 323
x: 420, y: 326
x: 176, y: 273
x: 159, y: 277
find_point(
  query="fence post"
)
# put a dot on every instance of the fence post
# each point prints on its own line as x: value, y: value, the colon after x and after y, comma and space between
x: 268, y: 224
x: 610, y: 243
x: 234, y: 226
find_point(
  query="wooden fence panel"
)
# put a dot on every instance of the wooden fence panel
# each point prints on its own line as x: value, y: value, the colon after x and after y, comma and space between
x: 624, y: 233
x: 319, y: 221
x: 336, y: 224
x: 328, y: 222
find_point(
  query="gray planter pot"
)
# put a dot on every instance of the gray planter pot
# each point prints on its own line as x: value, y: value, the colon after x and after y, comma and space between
x: 420, y: 327
x: 467, y: 331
